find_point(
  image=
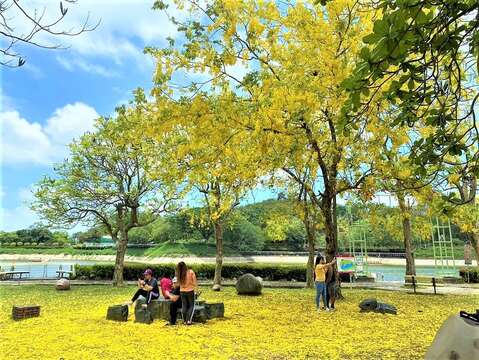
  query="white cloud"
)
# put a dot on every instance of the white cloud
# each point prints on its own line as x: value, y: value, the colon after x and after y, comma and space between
x: 126, y: 27
x: 20, y: 217
x: 6, y: 102
x: 25, y: 142
x: 75, y: 64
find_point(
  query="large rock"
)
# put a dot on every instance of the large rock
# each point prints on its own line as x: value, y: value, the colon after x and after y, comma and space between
x: 248, y: 284
x: 215, y: 310
x: 368, y: 304
x: 375, y: 306
x: 457, y: 339
x: 62, y: 284
x: 200, y: 315
x: 117, y: 313
x: 386, y: 309
x: 143, y: 315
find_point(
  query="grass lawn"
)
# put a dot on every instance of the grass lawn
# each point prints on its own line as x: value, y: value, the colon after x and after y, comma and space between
x: 280, y: 324
x: 429, y: 254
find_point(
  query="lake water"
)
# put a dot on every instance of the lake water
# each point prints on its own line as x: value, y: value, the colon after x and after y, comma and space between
x: 396, y: 273
x: 44, y: 270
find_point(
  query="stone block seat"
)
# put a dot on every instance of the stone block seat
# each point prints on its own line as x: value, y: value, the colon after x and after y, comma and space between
x: 160, y: 309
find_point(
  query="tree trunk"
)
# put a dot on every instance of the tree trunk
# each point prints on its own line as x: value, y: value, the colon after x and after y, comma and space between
x: 219, y: 254
x: 328, y: 209
x: 475, y: 245
x: 120, y: 259
x: 310, y: 234
x: 407, y: 234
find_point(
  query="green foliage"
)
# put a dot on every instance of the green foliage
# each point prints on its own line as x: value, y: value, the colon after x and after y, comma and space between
x: 296, y: 236
x: 34, y: 235
x: 242, y: 235
x: 203, y: 271
x: 470, y: 274
x: 425, y: 56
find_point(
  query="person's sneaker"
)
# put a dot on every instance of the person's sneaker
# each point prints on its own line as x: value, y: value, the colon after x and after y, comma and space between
x: 332, y: 309
x: 328, y: 309
x: 318, y: 310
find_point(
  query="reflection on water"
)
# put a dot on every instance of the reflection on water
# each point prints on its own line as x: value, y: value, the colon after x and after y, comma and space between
x: 42, y: 270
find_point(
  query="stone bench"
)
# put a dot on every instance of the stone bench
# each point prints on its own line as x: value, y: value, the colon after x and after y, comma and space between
x: 160, y: 309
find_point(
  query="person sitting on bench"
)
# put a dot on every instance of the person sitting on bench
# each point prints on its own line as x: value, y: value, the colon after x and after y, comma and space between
x: 148, y: 288
x: 166, y: 285
x: 174, y: 296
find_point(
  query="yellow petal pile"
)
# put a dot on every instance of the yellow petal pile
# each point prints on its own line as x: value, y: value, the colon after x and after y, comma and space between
x: 280, y: 324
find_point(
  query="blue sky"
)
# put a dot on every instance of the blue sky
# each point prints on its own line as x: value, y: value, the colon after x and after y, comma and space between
x: 57, y: 95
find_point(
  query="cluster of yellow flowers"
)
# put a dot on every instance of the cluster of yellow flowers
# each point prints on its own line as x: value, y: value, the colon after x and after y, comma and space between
x: 280, y: 324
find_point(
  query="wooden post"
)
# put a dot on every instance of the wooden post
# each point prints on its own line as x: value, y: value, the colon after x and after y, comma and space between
x: 414, y: 283
x: 434, y: 284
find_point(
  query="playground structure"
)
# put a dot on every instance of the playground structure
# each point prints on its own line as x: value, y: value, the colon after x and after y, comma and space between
x: 353, y: 238
x: 443, y: 248
x: 358, y: 248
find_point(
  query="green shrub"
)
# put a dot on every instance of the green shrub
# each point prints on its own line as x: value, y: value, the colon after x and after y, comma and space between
x: 242, y: 235
x: 470, y: 274
x: 203, y: 271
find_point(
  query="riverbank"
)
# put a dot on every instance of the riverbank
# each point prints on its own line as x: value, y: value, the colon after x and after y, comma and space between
x: 271, y: 259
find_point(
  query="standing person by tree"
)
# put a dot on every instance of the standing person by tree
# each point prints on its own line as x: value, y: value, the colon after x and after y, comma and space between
x: 188, y: 288
x: 110, y: 179
x: 320, y: 281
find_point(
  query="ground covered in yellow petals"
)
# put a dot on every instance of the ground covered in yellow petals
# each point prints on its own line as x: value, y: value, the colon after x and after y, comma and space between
x: 280, y: 324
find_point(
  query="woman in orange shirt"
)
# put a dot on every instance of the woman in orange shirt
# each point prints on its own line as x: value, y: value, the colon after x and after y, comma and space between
x: 188, y: 286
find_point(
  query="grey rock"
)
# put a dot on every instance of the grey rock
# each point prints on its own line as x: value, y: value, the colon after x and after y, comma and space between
x: 248, y: 284
x: 215, y: 310
x: 62, y: 284
x: 368, y: 304
x: 117, y: 313
x: 143, y: 315
x: 378, y: 307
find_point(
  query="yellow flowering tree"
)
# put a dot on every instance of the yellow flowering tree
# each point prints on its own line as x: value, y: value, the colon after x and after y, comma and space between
x: 111, y: 180
x: 214, y: 157
x: 284, y: 62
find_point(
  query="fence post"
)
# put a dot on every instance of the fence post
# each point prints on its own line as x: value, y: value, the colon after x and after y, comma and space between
x: 413, y: 283
x: 434, y: 284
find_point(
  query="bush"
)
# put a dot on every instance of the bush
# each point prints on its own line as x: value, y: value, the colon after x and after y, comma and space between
x: 296, y: 237
x: 470, y: 274
x: 203, y: 271
x: 244, y: 236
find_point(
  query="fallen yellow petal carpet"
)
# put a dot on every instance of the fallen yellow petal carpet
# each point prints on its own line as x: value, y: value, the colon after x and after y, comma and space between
x: 280, y: 324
